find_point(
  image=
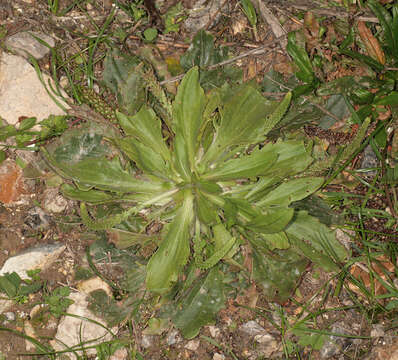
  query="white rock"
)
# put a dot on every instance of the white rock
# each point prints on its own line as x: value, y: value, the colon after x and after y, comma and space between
x: 203, y: 12
x: 252, y: 328
x: 264, y: 338
x: 22, y: 93
x: 120, y: 354
x: 147, y: 341
x: 173, y: 337
x: 53, y: 201
x: 87, y: 286
x: 268, y: 344
x: 192, y: 345
x: 377, y: 330
x: 24, y: 44
x: 214, y: 331
x: 218, y: 356
x: 40, y: 257
x: 29, y: 331
x: 5, y: 304
x: 10, y: 316
x: 73, y: 331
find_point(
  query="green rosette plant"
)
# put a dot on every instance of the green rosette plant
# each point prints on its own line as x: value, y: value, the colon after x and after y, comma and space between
x: 210, y: 176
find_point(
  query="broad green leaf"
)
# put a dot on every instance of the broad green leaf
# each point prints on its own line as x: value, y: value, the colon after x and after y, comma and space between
x: 242, y: 122
x: 317, y: 257
x: 276, y: 241
x: 126, y: 84
x: 27, y: 123
x: 123, y: 239
x: 246, y: 166
x: 181, y: 161
x: 225, y: 246
x: 315, y: 241
x: 7, y: 131
x: 205, y: 210
x: 165, y: 265
x: 277, y: 272
x: 290, y: 191
x: 320, y: 209
x: 292, y: 159
x: 144, y: 156
x: 203, y: 53
x: 374, y: 64
x: 3, y: 156
x: 271, y: 221
x: 147, y: 129
x: 301, y: 59
x: 277, y: 114
x: 100, y: 304
x: 106, y: 174
x: 76, y: 145
x: 201, y: 305
x: 10, y: 284
x: 307, y: 337
x: 90, y: 196
x: 188, y: 109
x: 224, y: 241
x: 391, y: 99
x: 249, y: 11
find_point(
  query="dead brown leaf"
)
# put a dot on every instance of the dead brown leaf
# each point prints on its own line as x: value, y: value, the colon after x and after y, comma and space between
x: 372, y: 44
x: 381, y: 265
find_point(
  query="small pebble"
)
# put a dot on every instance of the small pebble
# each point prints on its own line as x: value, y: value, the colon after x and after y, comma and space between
x: 214, y: 331
x: 192, y: 345
x: 377, y: 330
x: 10, y: 316
x: 252, y: 328
x: 173, y: 338
x: 146, y: 341
x: 218, y: 356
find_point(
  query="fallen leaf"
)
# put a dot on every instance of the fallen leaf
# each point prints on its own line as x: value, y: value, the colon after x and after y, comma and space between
x: 360, y: 271
x: 372, y: 44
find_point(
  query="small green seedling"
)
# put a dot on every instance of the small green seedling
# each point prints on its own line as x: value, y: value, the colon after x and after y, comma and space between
x: 58, y: 301
x: 17, y: 289
x: 250, y: 12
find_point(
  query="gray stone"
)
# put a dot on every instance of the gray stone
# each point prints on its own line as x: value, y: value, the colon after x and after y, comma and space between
x: 204, y: 12
x: 24, y: 44
x: 53, y: 201
x: 214, y: 331
x: 192, y: 345
x: 335, y: 345
x: 252, y: 328
x: 218, y: 356
x: 37, y: 219
x: 40, y: 257
x: 377, y: 330
x: 369, y: 161
x: 147, y: 341
x: 22, y: 93
x: 173, y: 337
x: 4, y: 305
x: 75, y: 330
x: 267, y: 344
x: 10, y: 316
x: 120, y: 354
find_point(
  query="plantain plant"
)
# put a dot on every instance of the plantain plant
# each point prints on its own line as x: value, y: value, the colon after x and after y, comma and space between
x: 209, y: 175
